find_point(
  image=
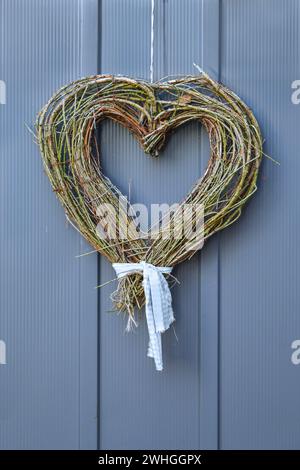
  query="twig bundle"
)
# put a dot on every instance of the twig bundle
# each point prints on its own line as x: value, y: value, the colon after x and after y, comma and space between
x: 66, y: 135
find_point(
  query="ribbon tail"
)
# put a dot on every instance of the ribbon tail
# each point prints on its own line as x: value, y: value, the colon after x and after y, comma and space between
x: 158, y: 347
x: 154, y: 349
x: 159, y: 312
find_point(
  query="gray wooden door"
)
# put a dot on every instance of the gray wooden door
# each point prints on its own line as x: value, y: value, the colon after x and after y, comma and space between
x: 229, y: 381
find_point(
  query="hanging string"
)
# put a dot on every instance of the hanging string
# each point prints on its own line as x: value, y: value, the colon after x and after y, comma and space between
x: 152, y: 41
x: 200, y: 69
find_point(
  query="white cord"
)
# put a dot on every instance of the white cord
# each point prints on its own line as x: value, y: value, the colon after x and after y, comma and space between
x: 152, y: 41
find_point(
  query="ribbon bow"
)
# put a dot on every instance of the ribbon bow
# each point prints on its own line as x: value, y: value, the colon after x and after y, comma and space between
x: 159, y: 312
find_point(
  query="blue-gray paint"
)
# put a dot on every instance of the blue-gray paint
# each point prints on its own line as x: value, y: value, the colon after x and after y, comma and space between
x: 140, y: 408
x: 229, y: 381
x: 48, y: 315
x: 260, y: 257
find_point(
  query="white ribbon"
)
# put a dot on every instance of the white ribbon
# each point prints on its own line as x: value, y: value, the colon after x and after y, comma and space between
x: 159, y: 312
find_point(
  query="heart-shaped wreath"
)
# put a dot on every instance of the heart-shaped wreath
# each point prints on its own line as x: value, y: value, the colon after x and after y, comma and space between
x: 66, y: 136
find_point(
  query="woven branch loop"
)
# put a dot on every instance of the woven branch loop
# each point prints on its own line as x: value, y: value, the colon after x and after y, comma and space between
x: 65, y: 129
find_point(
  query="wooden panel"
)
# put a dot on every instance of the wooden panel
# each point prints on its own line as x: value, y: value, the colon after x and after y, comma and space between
x: 140, y: 408
x: 48, y: 315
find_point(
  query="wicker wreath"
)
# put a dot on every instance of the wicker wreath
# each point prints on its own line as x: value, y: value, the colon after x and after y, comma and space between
x: 65, y: 130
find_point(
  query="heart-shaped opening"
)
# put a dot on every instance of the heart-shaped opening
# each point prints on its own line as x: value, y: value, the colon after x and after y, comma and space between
x: 164, y: 180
